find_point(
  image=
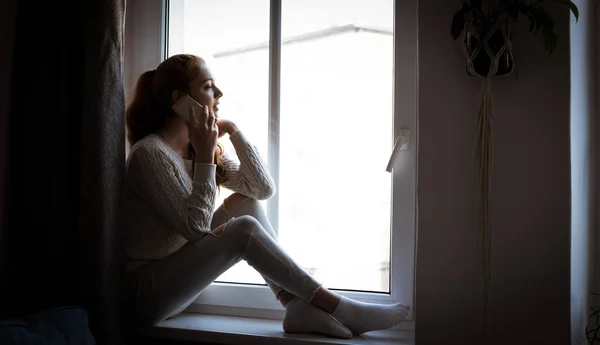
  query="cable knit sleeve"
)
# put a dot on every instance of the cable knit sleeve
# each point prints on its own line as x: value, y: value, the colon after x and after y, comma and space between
x: 251, y: 176
x: 186, y: 204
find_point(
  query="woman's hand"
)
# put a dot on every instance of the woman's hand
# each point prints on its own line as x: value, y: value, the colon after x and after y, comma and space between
x: 203, y: 132
x: 226, y: 127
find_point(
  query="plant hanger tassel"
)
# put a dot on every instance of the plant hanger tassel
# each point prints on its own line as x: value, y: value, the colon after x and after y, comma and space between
x: 484, y: 149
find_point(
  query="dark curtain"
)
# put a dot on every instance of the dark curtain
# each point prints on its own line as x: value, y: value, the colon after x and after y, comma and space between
x: 65, y: 162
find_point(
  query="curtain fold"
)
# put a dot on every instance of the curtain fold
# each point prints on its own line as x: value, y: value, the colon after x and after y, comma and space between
x: 65, y: 162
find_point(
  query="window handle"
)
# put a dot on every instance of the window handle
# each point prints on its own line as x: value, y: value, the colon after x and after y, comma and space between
x: 401, y: 144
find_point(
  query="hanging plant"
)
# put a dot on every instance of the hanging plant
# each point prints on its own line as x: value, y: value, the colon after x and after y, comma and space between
x: 480, y: 18
x: 485, y: 27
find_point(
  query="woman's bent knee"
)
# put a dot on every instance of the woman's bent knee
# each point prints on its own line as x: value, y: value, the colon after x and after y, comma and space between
x: 242, y: 225
x: 239, y: 232
x: 233, y: 201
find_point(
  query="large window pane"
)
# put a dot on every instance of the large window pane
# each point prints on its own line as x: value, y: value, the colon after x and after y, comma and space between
x: 336, y: 132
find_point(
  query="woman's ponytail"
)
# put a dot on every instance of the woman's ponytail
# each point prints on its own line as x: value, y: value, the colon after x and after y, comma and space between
x: 140, y: 117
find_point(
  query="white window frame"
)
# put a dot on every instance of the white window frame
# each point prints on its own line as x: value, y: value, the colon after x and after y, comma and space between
x: 145, y: 43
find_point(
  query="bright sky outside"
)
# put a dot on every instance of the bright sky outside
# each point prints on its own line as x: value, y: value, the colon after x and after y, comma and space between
x: 236, y: 23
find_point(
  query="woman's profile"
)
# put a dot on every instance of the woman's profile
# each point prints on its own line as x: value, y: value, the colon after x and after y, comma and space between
x: 177, y: 243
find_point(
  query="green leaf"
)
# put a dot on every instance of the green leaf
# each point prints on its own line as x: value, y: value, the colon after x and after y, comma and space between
x: 571, y: 6
x: 458, y: 23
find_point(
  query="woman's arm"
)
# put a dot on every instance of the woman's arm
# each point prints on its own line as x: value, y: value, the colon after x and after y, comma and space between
x: 186, y: 205
x: 251, y: 176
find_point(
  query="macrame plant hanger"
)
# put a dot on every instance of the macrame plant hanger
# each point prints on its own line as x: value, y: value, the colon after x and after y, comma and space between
x: 484, y: 149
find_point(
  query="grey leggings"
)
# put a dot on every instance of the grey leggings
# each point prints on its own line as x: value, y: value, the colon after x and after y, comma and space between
x: 165, y: 287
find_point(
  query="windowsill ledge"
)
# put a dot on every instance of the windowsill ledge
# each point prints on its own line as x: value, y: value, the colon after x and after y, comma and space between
x: 231, y: 330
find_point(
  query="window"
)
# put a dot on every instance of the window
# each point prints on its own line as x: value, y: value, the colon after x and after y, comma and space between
x: 322, y: 88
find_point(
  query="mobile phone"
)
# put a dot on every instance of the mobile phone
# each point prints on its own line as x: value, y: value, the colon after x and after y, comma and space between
x: 183, y: 105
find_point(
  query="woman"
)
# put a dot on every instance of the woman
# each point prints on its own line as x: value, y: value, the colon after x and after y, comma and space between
x: 176, y: 246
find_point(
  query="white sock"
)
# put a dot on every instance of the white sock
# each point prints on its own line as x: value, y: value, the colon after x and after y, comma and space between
x: 361, y: 317
x: 301, y: 317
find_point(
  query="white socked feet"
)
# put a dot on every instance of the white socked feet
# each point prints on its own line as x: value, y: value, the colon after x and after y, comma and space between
x: 361, y: 317
x: 301, y: 317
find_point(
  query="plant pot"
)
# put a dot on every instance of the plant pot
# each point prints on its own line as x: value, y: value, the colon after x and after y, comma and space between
x: 482, y: 61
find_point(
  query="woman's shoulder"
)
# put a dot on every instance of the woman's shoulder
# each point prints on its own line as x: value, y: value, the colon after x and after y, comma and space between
x: 150, y: 147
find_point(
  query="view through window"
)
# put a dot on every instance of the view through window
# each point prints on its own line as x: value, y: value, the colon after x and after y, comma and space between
x: 335, y: 122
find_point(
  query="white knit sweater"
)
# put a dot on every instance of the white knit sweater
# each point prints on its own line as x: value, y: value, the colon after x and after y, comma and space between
x: 165, y: 208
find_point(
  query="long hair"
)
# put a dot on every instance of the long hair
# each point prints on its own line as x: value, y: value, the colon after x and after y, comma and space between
x: 150, y: 107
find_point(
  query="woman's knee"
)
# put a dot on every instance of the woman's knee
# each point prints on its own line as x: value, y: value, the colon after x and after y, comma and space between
x: 241, y: 229
x: 235, y: 200
x: 243, y: 225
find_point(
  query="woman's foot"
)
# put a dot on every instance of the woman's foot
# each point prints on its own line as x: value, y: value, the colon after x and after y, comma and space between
x: 362, y: 317
x: 301, y: 317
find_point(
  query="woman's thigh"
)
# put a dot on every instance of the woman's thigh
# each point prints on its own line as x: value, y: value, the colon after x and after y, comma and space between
x: 165, y: 286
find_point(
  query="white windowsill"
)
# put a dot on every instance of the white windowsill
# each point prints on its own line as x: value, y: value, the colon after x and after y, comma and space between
x: 232, y: 330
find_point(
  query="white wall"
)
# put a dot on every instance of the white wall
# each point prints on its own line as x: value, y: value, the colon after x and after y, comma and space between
x: 531, y: 192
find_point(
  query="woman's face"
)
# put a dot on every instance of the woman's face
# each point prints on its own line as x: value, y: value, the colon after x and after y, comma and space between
x: 204, y: 90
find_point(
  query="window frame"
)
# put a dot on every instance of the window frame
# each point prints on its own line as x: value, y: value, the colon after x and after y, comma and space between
x: 146, y: 45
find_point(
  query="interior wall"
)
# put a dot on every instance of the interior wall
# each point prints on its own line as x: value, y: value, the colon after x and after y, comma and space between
x: 530, y: 192
x: 149, y: 34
